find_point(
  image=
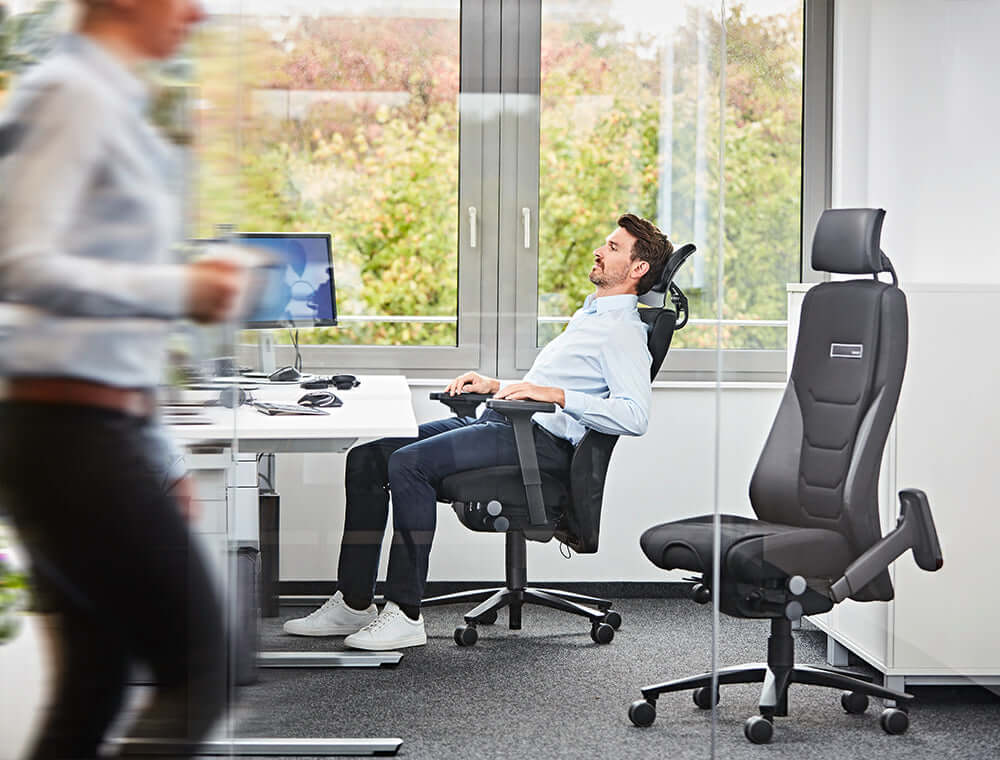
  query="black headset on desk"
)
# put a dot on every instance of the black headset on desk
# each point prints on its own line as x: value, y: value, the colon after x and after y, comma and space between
x: 340, y: 382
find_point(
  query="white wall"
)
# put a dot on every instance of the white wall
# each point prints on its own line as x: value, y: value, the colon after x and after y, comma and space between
x: 667, y: 474
x: 916, y: 108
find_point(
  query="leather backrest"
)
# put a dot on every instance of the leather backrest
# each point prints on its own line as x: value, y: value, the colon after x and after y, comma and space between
x: 820, y: 463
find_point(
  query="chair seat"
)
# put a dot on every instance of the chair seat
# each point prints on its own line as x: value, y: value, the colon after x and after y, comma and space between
x: 752, y: 551
x: 504, y: 484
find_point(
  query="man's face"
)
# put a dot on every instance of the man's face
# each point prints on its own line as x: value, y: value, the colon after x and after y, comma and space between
x: 162, y: 26
x: 613, y: 260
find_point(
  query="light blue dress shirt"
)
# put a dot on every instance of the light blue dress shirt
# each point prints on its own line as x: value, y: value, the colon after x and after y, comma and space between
x: 89, y: 212
x: 602, y: 363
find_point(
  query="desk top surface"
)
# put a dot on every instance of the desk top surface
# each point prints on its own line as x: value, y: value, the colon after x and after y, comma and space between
x: 379, y: 407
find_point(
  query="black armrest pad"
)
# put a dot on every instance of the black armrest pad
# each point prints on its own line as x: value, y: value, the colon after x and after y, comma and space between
x: 476, y: 397
x: 508, y: 407
x: 462, y: 404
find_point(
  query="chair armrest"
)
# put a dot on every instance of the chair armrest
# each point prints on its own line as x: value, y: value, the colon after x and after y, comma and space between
x: 519, y: 413
x: 509, y: 407
x: 463, y: 404
x: 914, y: 530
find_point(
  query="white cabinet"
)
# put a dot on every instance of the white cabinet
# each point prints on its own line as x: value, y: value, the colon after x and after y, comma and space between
x: 942, y: 627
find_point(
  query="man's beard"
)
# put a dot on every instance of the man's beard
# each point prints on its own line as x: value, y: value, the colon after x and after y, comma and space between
x: 600, y: 277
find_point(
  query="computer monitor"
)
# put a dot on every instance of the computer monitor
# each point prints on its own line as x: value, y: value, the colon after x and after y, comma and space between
x: 299, y: 289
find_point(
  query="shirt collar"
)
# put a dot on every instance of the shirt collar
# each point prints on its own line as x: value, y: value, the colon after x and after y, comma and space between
x: 122, y: 80
x: 610, y: 303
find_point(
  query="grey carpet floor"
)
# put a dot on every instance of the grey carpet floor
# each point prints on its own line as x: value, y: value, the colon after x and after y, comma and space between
x: 547, y: 691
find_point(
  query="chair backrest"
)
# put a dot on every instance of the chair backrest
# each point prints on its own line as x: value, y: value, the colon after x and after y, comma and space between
x: 589, y: 466
x: 820, y: 463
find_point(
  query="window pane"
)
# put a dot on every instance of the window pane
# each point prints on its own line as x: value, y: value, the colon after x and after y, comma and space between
x: 349, y: 125
x: 630, y: 122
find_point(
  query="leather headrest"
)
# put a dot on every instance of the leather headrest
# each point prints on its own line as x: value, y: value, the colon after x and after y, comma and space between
x: 847, y: 241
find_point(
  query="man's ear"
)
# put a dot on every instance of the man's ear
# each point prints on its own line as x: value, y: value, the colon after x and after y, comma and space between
x: 639, y: 268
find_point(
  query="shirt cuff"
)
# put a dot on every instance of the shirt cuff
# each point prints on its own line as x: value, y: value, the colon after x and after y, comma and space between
x: 576, y: 403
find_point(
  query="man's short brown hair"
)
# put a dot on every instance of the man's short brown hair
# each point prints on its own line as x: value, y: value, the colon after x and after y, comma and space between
x: 651, y: 246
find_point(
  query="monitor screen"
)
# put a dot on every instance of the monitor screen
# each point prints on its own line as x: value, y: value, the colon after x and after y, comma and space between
x: 299, y: 288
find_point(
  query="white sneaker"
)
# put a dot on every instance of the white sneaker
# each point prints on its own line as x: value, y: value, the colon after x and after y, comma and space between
x: 334, y: 618
x: 391, y: 630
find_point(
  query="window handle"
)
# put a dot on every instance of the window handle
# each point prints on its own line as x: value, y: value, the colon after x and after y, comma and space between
x: 526, y: 216
x: 473, y: 231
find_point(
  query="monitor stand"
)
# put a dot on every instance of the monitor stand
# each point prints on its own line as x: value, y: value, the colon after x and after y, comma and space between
x: 265, y: 352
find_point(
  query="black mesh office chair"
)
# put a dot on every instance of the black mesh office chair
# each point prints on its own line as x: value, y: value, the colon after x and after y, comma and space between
x: 817, y: 539
x: 524, y: 503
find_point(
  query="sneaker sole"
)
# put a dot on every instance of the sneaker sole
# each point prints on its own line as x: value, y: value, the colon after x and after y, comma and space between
x: 343, y: 630
x: 384, y: 646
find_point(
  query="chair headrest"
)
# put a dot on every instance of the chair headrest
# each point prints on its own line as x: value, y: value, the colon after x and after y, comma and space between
x: 656, y: 294
x: 847, y: 241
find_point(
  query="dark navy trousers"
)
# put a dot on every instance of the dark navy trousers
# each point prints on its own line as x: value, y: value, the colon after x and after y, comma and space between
x: 411, y: 469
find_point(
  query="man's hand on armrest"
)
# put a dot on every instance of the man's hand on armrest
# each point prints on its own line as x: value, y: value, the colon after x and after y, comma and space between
x: 532, y: 392
x: 472, y: 382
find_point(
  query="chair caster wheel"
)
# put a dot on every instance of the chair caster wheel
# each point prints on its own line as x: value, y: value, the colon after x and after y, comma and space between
x: 487, y: 618
x: 703, y: 697
x: 613, y: 619
x: 642, y: 713
x: 854, y: 702
x: 894, y: 721
x: 701, y: 593
x: 758, y: 729
x: 602, y: 633
x: 466, y: 635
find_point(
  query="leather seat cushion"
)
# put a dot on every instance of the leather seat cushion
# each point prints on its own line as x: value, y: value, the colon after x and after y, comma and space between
x: 501, y: 483
x: 751, y: 550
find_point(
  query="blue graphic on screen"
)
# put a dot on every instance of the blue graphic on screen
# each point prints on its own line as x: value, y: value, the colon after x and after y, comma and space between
x: 299, y: 288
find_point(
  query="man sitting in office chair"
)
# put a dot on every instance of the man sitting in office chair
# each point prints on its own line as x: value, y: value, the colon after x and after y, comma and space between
x: 596, y: 371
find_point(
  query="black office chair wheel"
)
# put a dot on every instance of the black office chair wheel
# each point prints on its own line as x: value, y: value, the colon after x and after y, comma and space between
x: 613, y: 619
x: 854, y: 702
x: 701, y: 593
x: 602, y: 633
x: 758, y: 729
x: 703, y: 697
x: 894, y: 720
x: 642, y: 713
x: 487, y: 618
x: 466, y: 635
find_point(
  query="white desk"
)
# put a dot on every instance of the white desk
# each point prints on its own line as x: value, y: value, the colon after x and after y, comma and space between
x: 223, y: 461
x: 378, y: 408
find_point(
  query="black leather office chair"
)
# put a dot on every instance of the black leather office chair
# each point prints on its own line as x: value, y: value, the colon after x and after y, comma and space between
x: 817, y: 539
x: 524, y: 503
